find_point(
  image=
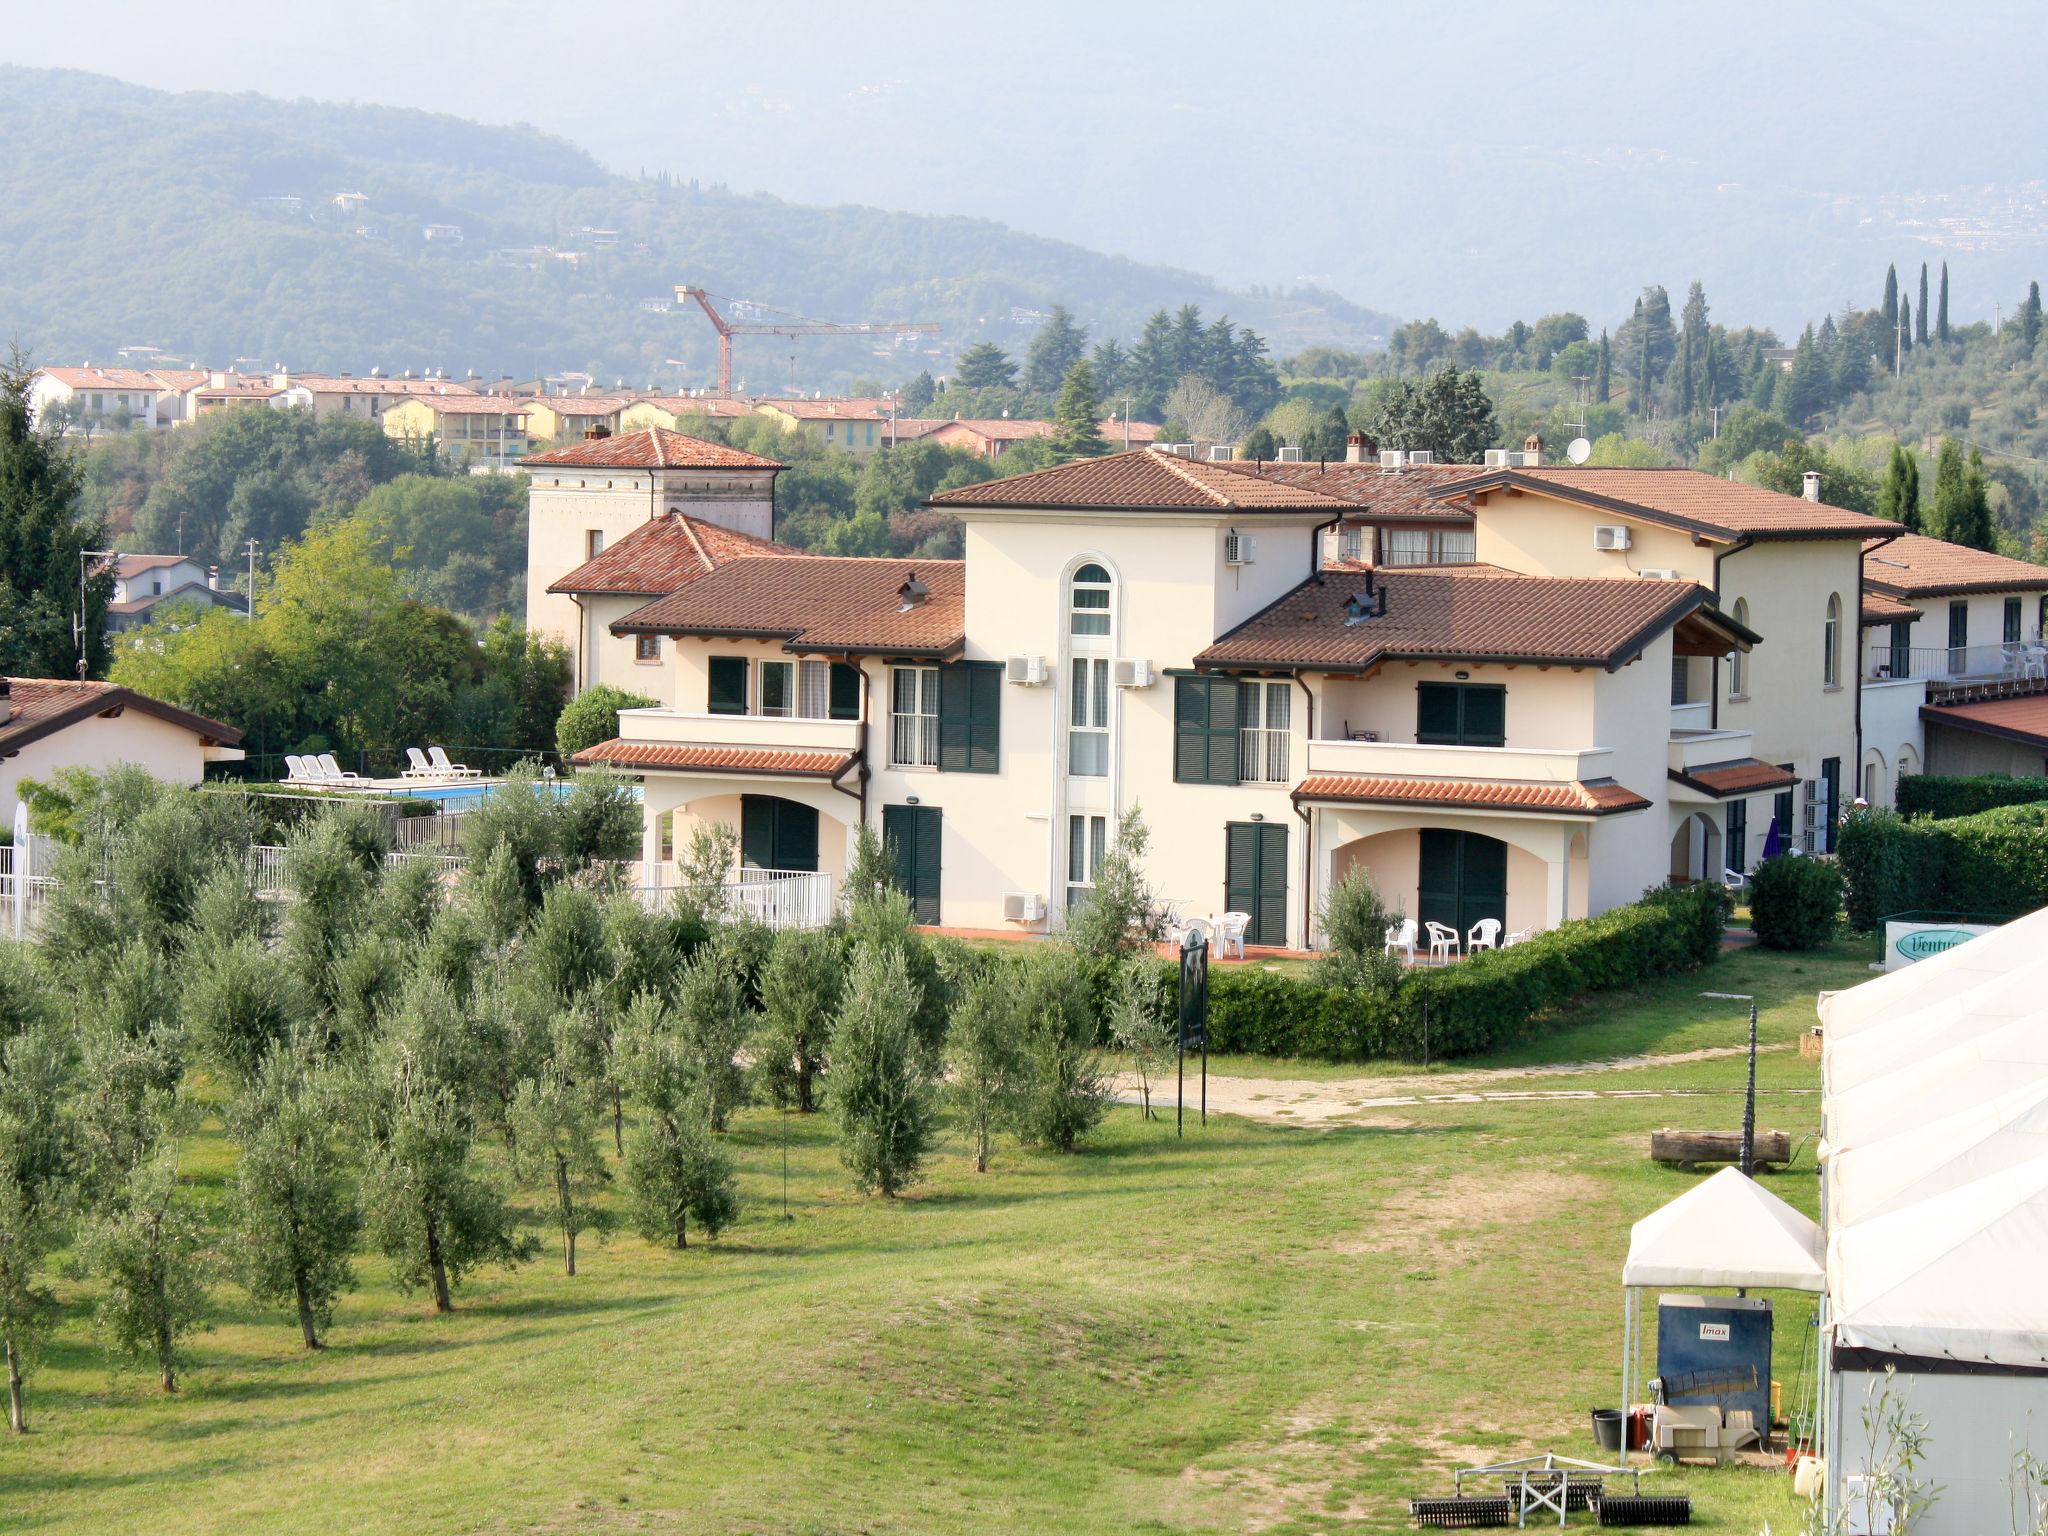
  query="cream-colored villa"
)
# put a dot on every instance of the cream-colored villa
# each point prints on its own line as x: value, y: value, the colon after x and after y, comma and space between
x: 1519, y: 691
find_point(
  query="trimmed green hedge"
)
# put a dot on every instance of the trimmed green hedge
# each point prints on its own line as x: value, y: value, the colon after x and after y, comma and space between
x: 1993, y: 862
x: 1795, y: 903
x: 1477, y: 1005
x: 1943, y: 796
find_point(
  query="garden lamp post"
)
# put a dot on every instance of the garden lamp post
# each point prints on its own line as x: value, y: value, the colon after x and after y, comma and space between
x: 1749, y: 1092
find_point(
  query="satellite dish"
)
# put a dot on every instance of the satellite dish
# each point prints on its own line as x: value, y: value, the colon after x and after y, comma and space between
x: 1578, y: 450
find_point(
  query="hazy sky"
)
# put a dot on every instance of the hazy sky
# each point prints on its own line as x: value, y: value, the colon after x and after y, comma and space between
x: 1471, y: 161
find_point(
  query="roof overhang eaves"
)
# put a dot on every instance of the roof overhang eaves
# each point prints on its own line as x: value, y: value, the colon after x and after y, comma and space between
x: 1482, y: 807
x: 1110, y: 509
x: 1905, y: 594
x: 1717, y: 532
x: 1936, y: 714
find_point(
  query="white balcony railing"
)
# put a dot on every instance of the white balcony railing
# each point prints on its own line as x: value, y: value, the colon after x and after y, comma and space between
x: 2019, y: 660
x: 780, y: 733
x: 774, y: 898
x: 1690, y: 749
x: 1407, y: 760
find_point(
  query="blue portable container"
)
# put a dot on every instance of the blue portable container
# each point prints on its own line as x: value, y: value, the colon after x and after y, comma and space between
x: 1716, y: 1349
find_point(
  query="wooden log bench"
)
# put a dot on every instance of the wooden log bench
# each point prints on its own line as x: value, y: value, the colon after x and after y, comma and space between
x: 1773, y: 1148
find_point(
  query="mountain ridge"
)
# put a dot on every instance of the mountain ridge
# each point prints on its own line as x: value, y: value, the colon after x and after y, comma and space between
x: 139, y: 217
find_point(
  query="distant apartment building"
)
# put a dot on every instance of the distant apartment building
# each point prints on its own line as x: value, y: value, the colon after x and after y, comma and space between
x: 145, y: 585
x: 855, y: 425
x: 477, y: 431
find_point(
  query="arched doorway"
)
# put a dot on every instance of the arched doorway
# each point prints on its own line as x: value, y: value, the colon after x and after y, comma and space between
x: 1696, y: 849
x: 1873, y: 788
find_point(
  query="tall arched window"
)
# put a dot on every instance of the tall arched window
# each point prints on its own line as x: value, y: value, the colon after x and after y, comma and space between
x: 1831, y: 643
x: 1738, y: 660
x: 1088, y: 600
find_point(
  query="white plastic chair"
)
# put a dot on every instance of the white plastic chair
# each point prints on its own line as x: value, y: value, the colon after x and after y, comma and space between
x: 1230, y: 931
x: 451, y: 770
x: 1401, y: 938
x: 1202, y: 925
x: 1443, y: 942
x: 417, y: 766
x: 1485, y: 934
x: 1519, y: 936
x: 1734, y: 879
x: 334, y: 773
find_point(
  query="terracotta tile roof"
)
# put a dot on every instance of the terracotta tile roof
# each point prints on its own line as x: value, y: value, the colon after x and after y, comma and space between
x: 909, y: 429
x: 178, y: 378
x: 1879, y: 609
x: 128, y: 567
x: 1684, y: 499
x: 237, y: 389
x: 194, y: 590
x: 648, y: 448
x: 2024, y: 719
x: 1411, y: 492
x: 826, y: 410
x: 1462, y: 612
x: 1142, y: 479
x: 336, y: 384
x: 664, y: 555
x: 1913, y: 565
x: 698, y: 405
x: 43, y: 706
x: 650, y: 754
x: 585, y: 405
x: 105, y: 378
x: 1587, y: 797
x: 1010, y: 429
x: 1738, y: 776
x: 1146, y: 432
x: 467, y: 404
x: 828, y: 603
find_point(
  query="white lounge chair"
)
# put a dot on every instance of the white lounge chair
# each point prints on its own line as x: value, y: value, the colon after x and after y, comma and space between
x: 451, y: 770
x: 334, y: 773
x: 1443, y: 942
x: 296, y: 770
x: 1401, y: 938
x: 1485, y: 934
x: 1230, y: 932
x: 417, y: 766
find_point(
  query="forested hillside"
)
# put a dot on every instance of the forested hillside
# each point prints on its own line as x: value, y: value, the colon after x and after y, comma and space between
x: 140, y: 217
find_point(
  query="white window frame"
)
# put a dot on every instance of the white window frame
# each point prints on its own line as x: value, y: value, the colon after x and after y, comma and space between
x: 788, y: 671
x: 914, y: 735
x: 1088, y: 709
x: 1091, y: 614
x: 1087, y: 844
x: 1831, y: 643
x: 1738, y: 659
x: 1262, y: 748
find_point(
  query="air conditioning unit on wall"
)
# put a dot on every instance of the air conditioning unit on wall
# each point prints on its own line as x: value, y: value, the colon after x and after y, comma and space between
x: 1025, y: 671
x: 1133, y: 674
x: 1658, y: 573
x: 1611, y: 536
x: 1240, y: 548
x: 1023, y: 907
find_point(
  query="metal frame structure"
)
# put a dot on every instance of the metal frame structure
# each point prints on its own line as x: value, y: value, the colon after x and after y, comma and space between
x: 1544, y: 1482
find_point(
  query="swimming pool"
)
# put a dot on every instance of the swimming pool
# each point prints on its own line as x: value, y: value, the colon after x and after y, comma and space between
x: 468, y: 794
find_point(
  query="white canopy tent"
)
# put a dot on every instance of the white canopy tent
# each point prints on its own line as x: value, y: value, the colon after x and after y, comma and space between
x: 1945, y: 1080
x: 1904, y: 1039
x: 1921, y: 1161
x: 1727, y: 1231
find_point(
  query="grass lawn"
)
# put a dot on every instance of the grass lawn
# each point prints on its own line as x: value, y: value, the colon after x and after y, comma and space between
x: 1259, y: 1327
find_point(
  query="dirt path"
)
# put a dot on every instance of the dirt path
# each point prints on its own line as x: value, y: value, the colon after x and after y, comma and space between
x: 1307, y: 1101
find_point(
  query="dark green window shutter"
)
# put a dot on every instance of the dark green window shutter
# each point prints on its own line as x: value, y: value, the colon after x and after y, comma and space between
x: 912, y: 835
x: 1241, y: 867
x: 1902, y: 648
x: 757, y: 831
x: 1222, y: 733
x: 845, y: 692
x: 1486, y: 716
x: 796, y: 836
x: 1436, y: 713
x: 1190, y: 730
x: 2012, y: 621
x: 1738, y: 834
x: 728, y: 685
x: 1958, y: 625
x: 1269, y: 909
x: 970, y: 717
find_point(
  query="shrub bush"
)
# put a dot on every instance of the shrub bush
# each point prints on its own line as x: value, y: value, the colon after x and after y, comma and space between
x: 1943, y: 796
x: 593, y: 717
x: 1795, y: 903
x: 1994, y: 863
x: 1479, y: 1004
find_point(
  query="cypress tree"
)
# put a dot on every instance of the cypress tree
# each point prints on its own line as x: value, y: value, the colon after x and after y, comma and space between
x: 1950, y: 516
x: 1685, y: 372
x: 1905, y: 334
x: 1898, y: 499
x: 2030, y: 313
x: 1891, y: 296
x: 44, y: 534
x: 1603, y: 374
x: 1941, y: 313
x: 1920, y: 315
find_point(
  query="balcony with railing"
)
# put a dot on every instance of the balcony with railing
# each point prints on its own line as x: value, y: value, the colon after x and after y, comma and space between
x: 768, y: 733
x: 1427, y: 760
x: 1692, y: 748
x: 2012, y: 661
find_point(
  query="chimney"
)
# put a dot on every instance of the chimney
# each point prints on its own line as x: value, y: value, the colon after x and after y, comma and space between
x: 6, y: 700
x: 217, y: 380
x: 596, y: 433
x: 281, y: 380
x: 213, y: 578
x: 1355, y: 449
x: 1812, y: 482
x: 1532, y: 450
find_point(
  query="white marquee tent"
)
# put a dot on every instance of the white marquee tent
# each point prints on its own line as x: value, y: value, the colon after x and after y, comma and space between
x: 1935, y: 1159
x: 1726, y: 1231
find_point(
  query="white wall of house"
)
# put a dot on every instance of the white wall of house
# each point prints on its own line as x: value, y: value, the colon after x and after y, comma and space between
x: 166, y: 751
x: 565, y: 507
x: 1894, y: 742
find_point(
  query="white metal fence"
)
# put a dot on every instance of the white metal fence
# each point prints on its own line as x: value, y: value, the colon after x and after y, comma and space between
x: 774, y: 898
x: 25, y: 885
x: 2016, y: 660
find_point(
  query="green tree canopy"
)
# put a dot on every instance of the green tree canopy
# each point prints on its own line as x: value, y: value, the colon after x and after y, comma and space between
x: 43, y: 538
x: 985, y: 366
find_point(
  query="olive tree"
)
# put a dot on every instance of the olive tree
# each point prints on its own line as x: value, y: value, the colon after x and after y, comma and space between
x: 1066, y: 1091
x: 144, y: 1245
x: 556, y: 1117
x: 985, y: 1066
x: 800, y: 987
x: 882, y: 1091
x: 36, y: 1158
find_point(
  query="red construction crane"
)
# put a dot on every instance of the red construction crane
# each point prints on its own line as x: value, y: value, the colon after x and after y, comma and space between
x: 727, y: 329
